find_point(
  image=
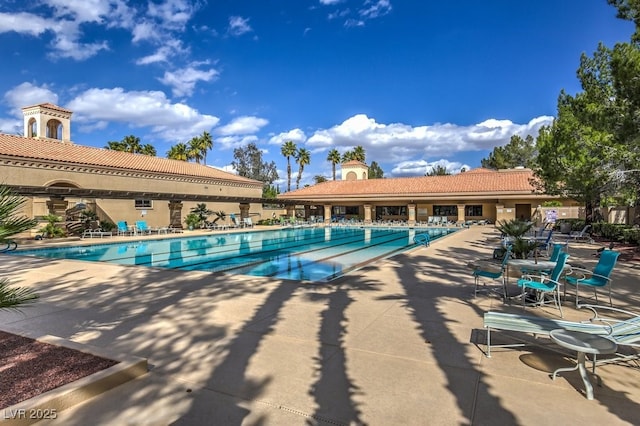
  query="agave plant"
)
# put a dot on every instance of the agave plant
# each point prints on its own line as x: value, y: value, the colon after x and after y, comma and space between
x: 516, y: 230
x: 11, y: 223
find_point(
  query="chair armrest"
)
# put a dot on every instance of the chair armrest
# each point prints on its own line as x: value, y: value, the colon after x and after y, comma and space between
x: 595, y: 308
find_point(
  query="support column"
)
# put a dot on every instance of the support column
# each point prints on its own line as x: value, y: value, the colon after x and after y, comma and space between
x: 327, y: 213
x: 367, y: 214
x: 175, y: 214
x: 57, y: 206
x: 244, y: 211
x: 291, y: 211
x: 411, y: 209
x: 461, y: 215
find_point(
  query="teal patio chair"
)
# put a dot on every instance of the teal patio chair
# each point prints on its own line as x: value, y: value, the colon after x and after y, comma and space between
x: 600, y: 277
x: 492, y: 271
x: 123, y: 228
x: 544, y: 284
x: 142, y: 227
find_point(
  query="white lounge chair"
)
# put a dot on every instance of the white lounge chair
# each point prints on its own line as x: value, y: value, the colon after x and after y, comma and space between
x: 575, y: 236
x: 625, y: 332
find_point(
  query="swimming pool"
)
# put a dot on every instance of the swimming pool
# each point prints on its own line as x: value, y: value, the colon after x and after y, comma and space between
x: 309, y: 254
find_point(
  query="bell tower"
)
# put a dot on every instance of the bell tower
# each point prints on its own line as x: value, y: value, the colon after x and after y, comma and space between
x: 354, y: 170
x: 47, y: 121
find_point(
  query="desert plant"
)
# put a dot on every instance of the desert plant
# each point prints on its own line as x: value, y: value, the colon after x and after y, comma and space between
x: 11, y: 223
x: 51, y: 229
x: 220, y: 215
x: 202, y: 212
x: 516, y: 230
x: 192, y: 220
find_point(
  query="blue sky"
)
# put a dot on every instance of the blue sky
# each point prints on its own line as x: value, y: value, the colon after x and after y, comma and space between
x: 417, y: 83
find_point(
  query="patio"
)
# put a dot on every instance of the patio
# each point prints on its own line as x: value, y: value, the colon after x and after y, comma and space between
x: 397, y: 342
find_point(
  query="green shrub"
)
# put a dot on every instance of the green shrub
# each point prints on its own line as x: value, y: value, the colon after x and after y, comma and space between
x: 609, y: 231
x: 631, y: 235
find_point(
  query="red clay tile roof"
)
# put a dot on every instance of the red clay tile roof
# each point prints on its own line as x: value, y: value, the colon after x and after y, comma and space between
x: 354, y: 163
x: 50, y: 106
x: 51, y: 150
x: 476, y: 181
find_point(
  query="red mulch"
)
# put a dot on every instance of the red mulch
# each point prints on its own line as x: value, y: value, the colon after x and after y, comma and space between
x: 628, y: 252
x: 29, y: 368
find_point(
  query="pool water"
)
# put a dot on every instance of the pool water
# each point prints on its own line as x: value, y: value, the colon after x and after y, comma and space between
x: 310, y: 254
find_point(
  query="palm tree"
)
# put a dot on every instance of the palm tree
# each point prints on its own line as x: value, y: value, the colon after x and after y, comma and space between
x: 202, y: 212
x: 12, y: 224
x: 196, y: 149
x: 179, y: 151
x: 359, y: 154
x: 132, y: 144
x: 303, y: 157
x: 289, y: 149
x: 334, y: 157
x: 148, y: 149
x: 347, y: 156
x: 319, y: 179
x: 206, y: 143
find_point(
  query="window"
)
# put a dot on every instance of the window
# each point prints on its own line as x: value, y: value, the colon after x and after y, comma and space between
x: 143, y: 204
x: 473, y: 210
x: 391, y: 211
x: 352, y: 210
x: 445, y: 210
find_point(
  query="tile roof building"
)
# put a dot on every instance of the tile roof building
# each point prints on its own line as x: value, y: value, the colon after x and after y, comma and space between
x: 45, y: 157
x: 474, y: 195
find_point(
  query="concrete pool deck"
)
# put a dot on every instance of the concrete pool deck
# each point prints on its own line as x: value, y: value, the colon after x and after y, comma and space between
x: 397, y: 342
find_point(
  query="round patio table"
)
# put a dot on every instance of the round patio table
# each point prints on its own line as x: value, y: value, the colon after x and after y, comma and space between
x: 583, y: 343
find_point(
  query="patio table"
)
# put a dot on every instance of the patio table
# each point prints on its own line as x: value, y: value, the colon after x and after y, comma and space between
x: 582, y: 343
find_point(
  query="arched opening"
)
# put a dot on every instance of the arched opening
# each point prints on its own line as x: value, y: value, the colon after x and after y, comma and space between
x: 32, y: 128
x: 352, y: 176
x: 54, y: 129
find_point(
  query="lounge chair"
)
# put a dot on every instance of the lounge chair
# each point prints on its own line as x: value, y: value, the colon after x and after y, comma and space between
x: 600, y: 277
x: 248, y: 223
x: 98, y: 233
x: 575, y: 236
x: 142, y: 227
x: 234, y: 221
x: 430, y: 220
x: 123, y: 228
x: 625, y: 332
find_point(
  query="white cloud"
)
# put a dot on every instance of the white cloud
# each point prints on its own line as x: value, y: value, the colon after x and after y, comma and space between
x: 235, y: 141
x: 172, y: 14
x: 242, y: 126
x: 65, y: 22
x: 27, y: 94
x: 398, y: 143
x: 25, y: 23
x: 144, y: 30
x: 183, y: 81
x: 421, y: 167
x: 295, y: 135
x: 330, y: 2
x: 239, y: 25
x: 375, y: 9
x: 174, y: 122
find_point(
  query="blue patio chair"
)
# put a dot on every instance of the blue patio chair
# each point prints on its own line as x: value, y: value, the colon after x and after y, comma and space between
x: 142, y: 227
x: 123, y: 228
x: 598, y: 278
x: 544, y: 284
x: 492, y: 271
